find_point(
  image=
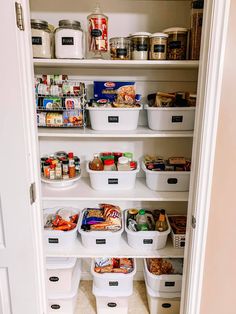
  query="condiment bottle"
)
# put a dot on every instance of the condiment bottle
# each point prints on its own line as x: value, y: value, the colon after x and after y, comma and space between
x: 65, y: 169
x: 142, y: 220
x: 72, y: 171
x: 52, y: 174
x: 123, y: 164
x: 58, y: 171
x: 129, y: 156
x: 97, y: 34
x: 77, y: 163
x: 96, y: 164
x: 109, y: 165
x: 161, y: 224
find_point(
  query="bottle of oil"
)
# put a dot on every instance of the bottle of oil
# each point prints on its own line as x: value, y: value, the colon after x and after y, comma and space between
x: 161, y: 224
x: 96, y: 164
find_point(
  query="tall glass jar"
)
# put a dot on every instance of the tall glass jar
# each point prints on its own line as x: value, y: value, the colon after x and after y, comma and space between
x: 69, y: 41
x: 120, y: 48
x: 139, y: 46
x: 41, y: 39
x: 196, y: 29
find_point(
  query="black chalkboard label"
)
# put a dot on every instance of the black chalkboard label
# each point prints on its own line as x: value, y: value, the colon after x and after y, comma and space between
x: 177, y: 119
x: 147, y: 241
x: 112, y: 181
x: 182, y: 243
x: 166, y: 305
x: 113, y: 119
x: 55, y: 306
x: 159, y: 48
x: 169, y: 284
x: 172, y: 181
x: 100, y: 241
x: 142, y: 47
x: 121, y: 52
x: 67, y: 41
x: 36, y: 40
x: 54, y: 279
x: 175, y: 44
x: 53, y: 240
x: 111, y: 304
x: 96, y: 33
x: 113, y: 283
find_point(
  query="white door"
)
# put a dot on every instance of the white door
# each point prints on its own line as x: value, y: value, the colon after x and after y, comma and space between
x: 21, y: 258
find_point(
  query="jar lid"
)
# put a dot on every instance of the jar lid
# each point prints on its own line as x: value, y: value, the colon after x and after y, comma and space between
x: 140, y: 34
x: 109, y: 162
x: 193, y: 95
x: 123, y: 160
x: 119, y: 39
x: 39, y: 23
x: 173, y: 30
x: 159, y: 35
x: 69, y: 23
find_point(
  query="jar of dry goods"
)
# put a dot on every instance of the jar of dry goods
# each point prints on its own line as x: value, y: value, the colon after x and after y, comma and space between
x: 176, y: 43
x: 41, y: 39
x: 196, y: 28
x: 69, y: 40
x: 120, y: 48
x: 139, y: 45
x: 158, y: 46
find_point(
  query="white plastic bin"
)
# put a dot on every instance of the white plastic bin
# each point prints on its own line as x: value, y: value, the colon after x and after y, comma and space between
x: 57, y: 238
x: 64, y: 303
x: 168, y: 181
x: 61, y: 272
x: 114, y: 119
x: 110, y: 303
x: 171, y: 118
x: 162, y: 283
x: 114, y: 283
x: 178, y: 239
x: 105, y: 240
x: 146, y: 240
x: 112, y: 180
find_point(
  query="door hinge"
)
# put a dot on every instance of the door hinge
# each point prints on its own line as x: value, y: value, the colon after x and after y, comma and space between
x: 32, y: 193
x: 19, y: 16
x: 194, y: 221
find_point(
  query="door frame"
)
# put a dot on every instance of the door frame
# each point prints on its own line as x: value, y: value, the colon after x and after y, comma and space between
x: 215, y: 23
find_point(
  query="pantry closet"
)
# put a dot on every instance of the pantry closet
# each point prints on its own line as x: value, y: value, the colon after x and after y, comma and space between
x: 127, y: 17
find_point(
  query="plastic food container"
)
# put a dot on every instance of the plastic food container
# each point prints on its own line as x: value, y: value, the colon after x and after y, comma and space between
x: 112, y: 180
x: 100, y: 239
x: 162, y: 283
x: 64, y: 303
x: 147, y: 240
x: 167, y: 181
x: 171, y: 119
x: 110, y: 303
x: 115, y: 284
x: 120, y: 48
x: 177, y: 239
x: 61, y: 272
x: 177, y: 43
x: 57, y: 238
x: 158, y: 46
x: 114, y: 119
x: 140, y: 46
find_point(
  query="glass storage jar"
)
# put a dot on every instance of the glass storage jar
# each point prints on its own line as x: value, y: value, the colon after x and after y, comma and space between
x: 139, y: 46
x: 41, y: 39
x: 176, y: 43
x: 120, y: 48
x: 158, y: 45
x: 69, y: 40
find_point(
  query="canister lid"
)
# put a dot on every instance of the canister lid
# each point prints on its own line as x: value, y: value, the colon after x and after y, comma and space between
x: 173, y: 30
x: 159, y: 35
x: 140, y: 34
x: 35, y: 22
x: 69, y: 23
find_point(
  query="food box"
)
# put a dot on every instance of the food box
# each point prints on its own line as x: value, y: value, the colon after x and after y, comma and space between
x: 112, y: 180
x: 107, y: 90
x: 178, y: 230
x: 168, y: 181
x: 171, y: 118
x: 146, y: 240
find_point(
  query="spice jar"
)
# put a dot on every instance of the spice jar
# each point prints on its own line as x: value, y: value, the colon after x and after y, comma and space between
x: 176, y: 43
x: 41, y: 39
x: 158, y: 45
x: 139, y: 46
x: 69, y: 40
x: 120, y: 48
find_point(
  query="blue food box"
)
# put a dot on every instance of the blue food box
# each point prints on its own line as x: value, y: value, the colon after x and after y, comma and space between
x: 105, y: 91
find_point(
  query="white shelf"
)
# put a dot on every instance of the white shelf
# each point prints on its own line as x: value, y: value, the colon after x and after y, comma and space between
x: 142, y: 132
x: 78, y: 250
x: 82, y: 191
x: 126, y: 64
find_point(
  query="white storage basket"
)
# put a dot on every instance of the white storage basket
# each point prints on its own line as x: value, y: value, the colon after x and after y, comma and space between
x: 147, y: 240
x: 171, y: 118
x: 114, y: 283
x: 162, y: 283
x: 110, y: 303
x: 100, y: 239
x: 57, y: 238
x: 61, y: 272
x: 64, y: 303
x: 168, y: 181
x: 112, y: 180
x: 114, y: 119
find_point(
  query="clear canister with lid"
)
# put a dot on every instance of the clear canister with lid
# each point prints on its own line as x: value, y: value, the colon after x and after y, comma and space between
x: 120, y: 48
x: 69, y: 40
x: 41, y: 39
x: 139, y: 45
x: 177, y: 43
x: 158, y: 46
